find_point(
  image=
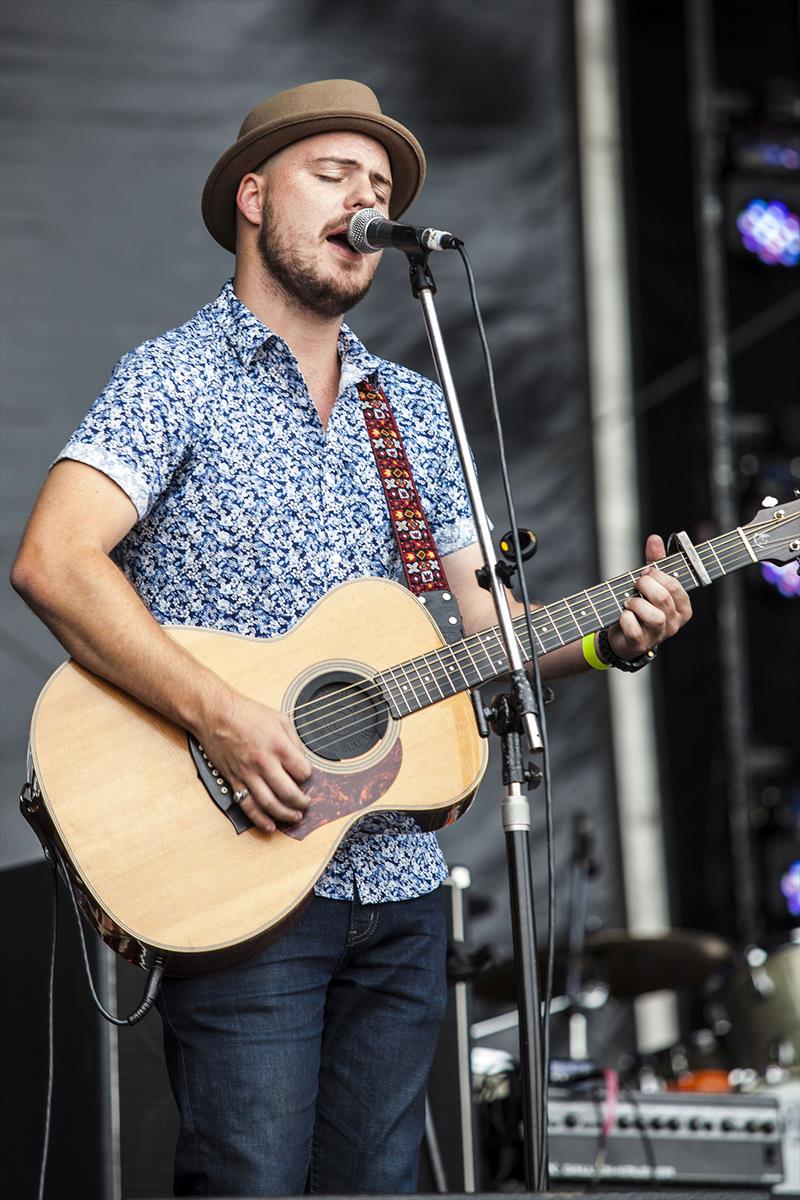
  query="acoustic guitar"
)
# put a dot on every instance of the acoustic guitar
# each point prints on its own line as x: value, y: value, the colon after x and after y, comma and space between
x: 162, y: 860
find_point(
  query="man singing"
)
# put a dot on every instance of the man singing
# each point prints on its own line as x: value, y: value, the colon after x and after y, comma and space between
x: 224, y: 478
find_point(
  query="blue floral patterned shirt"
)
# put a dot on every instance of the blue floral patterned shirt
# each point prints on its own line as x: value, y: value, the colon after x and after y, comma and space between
x: 249, y: 511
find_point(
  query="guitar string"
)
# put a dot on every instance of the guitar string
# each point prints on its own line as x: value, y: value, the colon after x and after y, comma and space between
x: 731, y: 537
x: 678, y: 558
x: 364, y: 720
x: 333, y: 701
x: 562, y: 621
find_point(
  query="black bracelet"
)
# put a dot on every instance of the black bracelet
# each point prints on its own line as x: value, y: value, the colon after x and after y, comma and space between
x: 608, y: 656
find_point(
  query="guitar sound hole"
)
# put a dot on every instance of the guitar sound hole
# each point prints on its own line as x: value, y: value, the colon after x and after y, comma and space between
x: 340, y: 715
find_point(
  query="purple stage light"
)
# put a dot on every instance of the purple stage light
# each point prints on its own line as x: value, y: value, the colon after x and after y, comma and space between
x: 771, y: 231
x: 790, y: 887
x: 785, y: 578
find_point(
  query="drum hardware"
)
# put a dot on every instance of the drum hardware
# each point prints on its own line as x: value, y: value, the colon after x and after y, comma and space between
x: 754, y: 1009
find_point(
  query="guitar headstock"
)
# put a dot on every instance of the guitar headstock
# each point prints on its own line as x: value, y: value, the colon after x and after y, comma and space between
x: 774, y: 532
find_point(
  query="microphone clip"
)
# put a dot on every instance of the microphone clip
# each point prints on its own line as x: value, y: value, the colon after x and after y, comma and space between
x: 420, y: 273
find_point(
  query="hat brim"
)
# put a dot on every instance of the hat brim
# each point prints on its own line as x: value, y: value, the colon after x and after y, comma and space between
x: 219, y: 194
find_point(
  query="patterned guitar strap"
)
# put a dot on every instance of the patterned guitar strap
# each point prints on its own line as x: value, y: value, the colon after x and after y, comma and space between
x: 418, y: 554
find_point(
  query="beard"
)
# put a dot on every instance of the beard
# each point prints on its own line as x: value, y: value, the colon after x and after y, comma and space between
x: 298, y: 277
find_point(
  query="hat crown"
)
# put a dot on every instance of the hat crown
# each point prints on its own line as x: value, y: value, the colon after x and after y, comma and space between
x: 325, y: 95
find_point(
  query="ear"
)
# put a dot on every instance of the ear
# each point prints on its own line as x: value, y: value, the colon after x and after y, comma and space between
x: 249, y: 198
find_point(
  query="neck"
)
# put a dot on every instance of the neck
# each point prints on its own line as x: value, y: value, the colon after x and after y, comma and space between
x: 312, y: 339
x: 459, y: 666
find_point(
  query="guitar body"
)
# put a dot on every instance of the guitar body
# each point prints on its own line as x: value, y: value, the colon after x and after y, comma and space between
x: 162, y: 861
x: 158, y: 866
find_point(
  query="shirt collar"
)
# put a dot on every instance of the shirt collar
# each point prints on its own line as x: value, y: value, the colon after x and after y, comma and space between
x: 242, y: 328
x: 249, y: 337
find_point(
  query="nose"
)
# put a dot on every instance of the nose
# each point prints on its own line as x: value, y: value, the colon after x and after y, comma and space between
x: 362, y: 194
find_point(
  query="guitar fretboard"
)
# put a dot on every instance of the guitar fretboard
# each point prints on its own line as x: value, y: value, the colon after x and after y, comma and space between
x: 422, y: 681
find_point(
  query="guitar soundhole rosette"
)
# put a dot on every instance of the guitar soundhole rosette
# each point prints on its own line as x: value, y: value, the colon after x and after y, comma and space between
x: 340, y: 714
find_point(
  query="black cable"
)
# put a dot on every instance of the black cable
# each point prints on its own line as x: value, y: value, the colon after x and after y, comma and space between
x: 153, y: 979
x: 542, y: 1182
x: 48, y: 1107
x: 641, y: 1125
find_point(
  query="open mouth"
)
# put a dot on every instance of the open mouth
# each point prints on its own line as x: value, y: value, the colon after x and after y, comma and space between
x: 339, y: 239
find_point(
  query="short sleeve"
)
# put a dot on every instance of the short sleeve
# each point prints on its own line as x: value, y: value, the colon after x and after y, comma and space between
x: 137, y: 431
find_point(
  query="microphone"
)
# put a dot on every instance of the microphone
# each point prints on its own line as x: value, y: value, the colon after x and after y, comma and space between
x: 370, y: 231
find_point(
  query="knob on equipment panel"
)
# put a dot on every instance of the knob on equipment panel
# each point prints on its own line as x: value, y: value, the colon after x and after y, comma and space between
x: 673, y: 1137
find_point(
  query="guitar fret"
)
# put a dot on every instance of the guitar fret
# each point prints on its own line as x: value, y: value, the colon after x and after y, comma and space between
x: 588, y: 596
x: 457, y: 665
x: 482, y: 643
x: 547, y: 613
x: 396, y: 697
x: 716, y: 556
x: 523, y: 625
x: 500, y: 665
x: 614, y: 598
x: 582, y: 614
x: 408, y: 685
x: 424, y: 680
x: 443, y: 680
x: 572, y: 616
x: 472, y: 657
x: 432, y: 663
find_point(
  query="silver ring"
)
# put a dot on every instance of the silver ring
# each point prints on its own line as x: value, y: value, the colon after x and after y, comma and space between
x: 240, y: 794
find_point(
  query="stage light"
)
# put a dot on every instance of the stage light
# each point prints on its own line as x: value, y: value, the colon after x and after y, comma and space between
x: 770, y: 230
x: 785, y: 578
x: 790, y: 888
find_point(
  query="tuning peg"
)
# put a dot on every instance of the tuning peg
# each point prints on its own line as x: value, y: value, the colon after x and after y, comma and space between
x: 769, y: 502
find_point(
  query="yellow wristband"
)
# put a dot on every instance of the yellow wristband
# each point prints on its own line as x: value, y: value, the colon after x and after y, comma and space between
x: 590, y: 653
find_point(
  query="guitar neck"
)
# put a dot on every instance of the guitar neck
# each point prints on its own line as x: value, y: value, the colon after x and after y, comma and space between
x: 466, y: 664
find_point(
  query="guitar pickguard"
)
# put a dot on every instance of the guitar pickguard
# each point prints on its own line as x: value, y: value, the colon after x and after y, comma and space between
x: 336, y: 794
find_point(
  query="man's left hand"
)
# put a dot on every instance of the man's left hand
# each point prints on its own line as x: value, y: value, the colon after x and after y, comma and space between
x: 658, y: 611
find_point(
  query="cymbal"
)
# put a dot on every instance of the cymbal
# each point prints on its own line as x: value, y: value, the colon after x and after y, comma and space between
x: 630, y: 964
x: 635, y: 963
x: 498, y: 983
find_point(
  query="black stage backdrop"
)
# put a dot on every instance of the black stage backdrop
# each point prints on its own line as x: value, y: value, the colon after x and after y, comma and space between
x: 113, y: 115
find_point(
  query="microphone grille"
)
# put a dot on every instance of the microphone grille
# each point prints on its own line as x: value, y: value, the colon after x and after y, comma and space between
x: 357, y: 229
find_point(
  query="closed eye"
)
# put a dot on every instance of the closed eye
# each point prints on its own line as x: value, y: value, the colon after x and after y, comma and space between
x: 379, y: 196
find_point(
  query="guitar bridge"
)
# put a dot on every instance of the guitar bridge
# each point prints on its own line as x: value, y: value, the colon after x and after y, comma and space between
x: 218, y: 787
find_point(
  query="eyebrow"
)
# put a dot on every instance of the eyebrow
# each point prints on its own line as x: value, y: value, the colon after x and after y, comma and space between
x: 352, y: 162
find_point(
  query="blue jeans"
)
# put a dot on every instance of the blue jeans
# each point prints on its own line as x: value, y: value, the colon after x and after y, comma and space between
x: 305, y: 1068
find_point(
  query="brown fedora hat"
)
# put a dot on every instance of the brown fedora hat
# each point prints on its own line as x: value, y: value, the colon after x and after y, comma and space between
x: 323, y: 107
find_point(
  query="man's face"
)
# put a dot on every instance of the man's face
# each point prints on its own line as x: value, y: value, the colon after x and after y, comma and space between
x: 313, y: 188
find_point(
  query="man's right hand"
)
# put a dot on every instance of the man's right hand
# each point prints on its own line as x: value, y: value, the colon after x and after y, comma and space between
x: 257, y: 748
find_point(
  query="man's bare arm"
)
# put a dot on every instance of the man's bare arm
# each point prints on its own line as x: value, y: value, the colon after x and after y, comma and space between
x: 658, y: 612
x: 64, y: 572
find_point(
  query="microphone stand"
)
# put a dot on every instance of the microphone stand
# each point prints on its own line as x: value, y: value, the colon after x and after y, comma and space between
x: 513, y: 715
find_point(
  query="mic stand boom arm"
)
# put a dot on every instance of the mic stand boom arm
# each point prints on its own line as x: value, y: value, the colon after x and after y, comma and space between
x: 516, y: 715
